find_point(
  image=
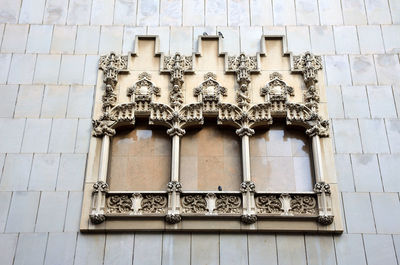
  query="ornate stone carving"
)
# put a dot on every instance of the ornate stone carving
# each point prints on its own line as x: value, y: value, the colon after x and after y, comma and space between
x: 276, y: 89
x: 173, y: 218
x: 112, y: 65
x: 309, y: 65
x: 227, y: 204
x: 248, y: 218
x: 325, y: 219
x: 247, y: 186
x: 320, y: 187
x: 243, y: 65
x: 97, y: 218
x: 269, y: 204
x: 119, y: 204
x: 193, y: 204
x: 174, y: 186
x: 153, y: 203
x: 209, y: 93
x: 177, y: 65
x: 100, y: 186
x: 142, y: 92
x: 303, y: 204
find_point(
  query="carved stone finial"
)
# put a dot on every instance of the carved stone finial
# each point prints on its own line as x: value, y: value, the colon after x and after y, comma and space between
x: 173, y: 218
x: 97, y: 218
x: 276, y: 89
x: 325, y: 219
x: 248, y: 218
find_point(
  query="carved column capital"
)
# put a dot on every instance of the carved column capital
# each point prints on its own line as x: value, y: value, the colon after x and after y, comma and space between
x: 245, y: 131
x: 321, y: 187
x: 247, y: 186
x: 100, y: 186
x: 173, y: 218
x: 325, y: 219
x: 97, y: 218
x: 176, y: 131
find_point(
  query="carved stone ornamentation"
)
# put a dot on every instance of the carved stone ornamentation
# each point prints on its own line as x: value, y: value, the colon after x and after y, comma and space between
x: 97, y: 218
x: 100, y: 186
x: 248, y: 218
x: 309, y: 65
x: 119, y: 204
x: 194, y: 204
x: 227, y: 204
x: 325, y: 219
x: 177, y: 65
x: 143, y: 91
x: 173, y: 218
x: 269, y: 204
x: 247, y: 186
x: 276, y: 89
x: 320, y: 187
x: 174, y: 186
x: 243, y: 65
x: 153, y: 203
x: 301, y: 204
x: 209, y: 93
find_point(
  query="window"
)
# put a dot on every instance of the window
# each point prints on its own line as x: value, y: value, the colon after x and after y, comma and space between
x: 210, y: 142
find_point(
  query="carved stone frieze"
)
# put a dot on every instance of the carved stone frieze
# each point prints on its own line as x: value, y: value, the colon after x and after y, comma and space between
x: 153, y: 203
x: 228, y: 204
x: 303, y: 204
x: 193, y: 204
x: 136, y: 204
x: 119, y: 204
x: 268, y: 204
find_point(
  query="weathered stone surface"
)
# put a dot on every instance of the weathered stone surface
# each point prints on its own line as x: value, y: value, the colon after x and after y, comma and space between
x: 5, y: 60
x: 8, y: 100
x: 250, y: 39
x: 63, y: 136
x: 47, y: 69
x: 83, y: 135
x: 373, y: 136
x: 22, y: 214
x: 181, y: 40
x: 129, y: 37
x: 384, y: 244
x: 344, y: 172
x: 39, y: 39
x: 125, y: 12
x: 216, y: 13
x: 337, y: 70
x: 170, y: 12
x: 119, y: 249
x: 386, y: 208
x: 320, y: 250
x: 381, y: 102
x: 29, y: 101
x: 8, y: 244
x: 261, y: 13
x: 347, y: 137
x: 238, y: 13
x: 91, y: 66
x: 387, y: 69
x: 79, y: 12
x: 51, y: 213
x: 14, y: 39
x: 355, y: 102
x: 262, y: 248
x: 110, y: 40
x: 346, y: 40
x: 44, y: 172
x: 11, y: 132
x: 233, y: 249
x: 377, y: 12
x: 391, y: 38
x: 36, y: 136
x: 142, y: 254
x: 370, y: 38
x: 22, y: 69
x: 71, y: 69
x: 390, y: 166
x: 63, y: 39
x: 16, y: 165
x: 349, y: 249
x: 366, y: 173
x: 102, y: 12
x: 60, y: 248
x: 176, y: 249
x: 330, y: 12
x: 322, y: 41
x: 73, y: 213
x: 55, y: 102
x: 56, y: 12
x: 80, y: 102
x: 307, y: 12
x: 163, y: 34
x: 87, y: 40
x: 231, y: 41
x: 284, y: 12
x: 71, y: 172
x: 205, y: 249
x: 193, y: 13
x: 363, y: 70
x: 89, y: 249
x: 354, y: 12
x: 31, y: 249
x: 298, y: 39
x: 32, y: 11
x: 5, y: 199
x: 393, y: 133
x: 293, y: 244
x: 357, y: 206
x: 148, y: 13
x: 10, y: 11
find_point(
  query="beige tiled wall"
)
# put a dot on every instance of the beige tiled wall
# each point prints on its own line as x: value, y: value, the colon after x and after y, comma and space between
x: 48, y: 56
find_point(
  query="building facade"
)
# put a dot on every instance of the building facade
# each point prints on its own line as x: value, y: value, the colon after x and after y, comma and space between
x: 50, y: 53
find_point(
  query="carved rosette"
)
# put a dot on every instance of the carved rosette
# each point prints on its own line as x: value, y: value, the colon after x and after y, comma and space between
x: 137, y: 204
x: 268, y: 204
x: 194, y: 204
x: 227, y: 204
x: 286, y: 204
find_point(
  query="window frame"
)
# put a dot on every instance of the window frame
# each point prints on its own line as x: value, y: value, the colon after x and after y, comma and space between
x: 177, y: 210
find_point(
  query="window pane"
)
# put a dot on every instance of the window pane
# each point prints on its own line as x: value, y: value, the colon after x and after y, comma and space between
x: 280, y: 160
x: 210, y: 157
x: 140, y: 159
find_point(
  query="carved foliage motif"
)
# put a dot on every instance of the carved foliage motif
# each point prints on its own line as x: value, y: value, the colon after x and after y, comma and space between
x: 269, y: 204
x: 228, y: 204
x: 153, y: 203
x: 286, y: 204
x: 142, y: 92
x: 148, y: 204
x: 303, y: 205
x: 194, y: 204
